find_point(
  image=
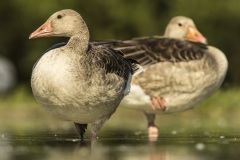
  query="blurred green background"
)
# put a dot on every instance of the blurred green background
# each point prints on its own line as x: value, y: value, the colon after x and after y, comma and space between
x: 218, y: 21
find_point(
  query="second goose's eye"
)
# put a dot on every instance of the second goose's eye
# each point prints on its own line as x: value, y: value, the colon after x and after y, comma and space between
x: 180, y: 24
x: 59, y: 16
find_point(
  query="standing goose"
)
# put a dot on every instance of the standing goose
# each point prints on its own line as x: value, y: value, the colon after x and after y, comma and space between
x: 180, y: 70
x: 79, y: 81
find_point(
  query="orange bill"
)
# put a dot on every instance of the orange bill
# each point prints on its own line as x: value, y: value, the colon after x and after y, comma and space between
x: 195, y: 36
x: 43, y: 31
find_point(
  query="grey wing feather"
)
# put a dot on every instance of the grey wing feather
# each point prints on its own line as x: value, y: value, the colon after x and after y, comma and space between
x: 113, y: 61
x: 152, y: 50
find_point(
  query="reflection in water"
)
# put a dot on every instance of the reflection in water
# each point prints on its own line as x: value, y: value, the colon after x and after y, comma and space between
x: 168, y: 147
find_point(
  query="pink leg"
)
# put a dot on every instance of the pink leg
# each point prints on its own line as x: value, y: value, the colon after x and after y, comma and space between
x: 95, y: 127
x: 158, y: 103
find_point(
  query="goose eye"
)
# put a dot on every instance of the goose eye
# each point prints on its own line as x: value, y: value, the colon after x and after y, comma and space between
x: 180, y: 24
x: 59, y: 16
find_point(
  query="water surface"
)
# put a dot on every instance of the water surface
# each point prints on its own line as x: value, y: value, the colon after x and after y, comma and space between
x: 120, y: 146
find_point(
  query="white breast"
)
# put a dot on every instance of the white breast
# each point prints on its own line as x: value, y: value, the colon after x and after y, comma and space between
x: 58, y: 83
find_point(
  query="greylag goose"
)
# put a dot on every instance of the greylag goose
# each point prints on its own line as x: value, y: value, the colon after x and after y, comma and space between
x: 79, y: 81
x: 180, y: 70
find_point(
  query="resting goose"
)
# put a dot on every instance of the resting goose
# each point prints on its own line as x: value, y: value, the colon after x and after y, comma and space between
x: 79, y: 81
x: 180, y: 70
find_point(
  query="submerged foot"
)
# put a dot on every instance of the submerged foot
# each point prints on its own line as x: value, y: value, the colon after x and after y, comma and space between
x: 158, y: 103
x: 152, y: 133
x: 152, y: 128
x: 81, y: 128
x: 93, y: 135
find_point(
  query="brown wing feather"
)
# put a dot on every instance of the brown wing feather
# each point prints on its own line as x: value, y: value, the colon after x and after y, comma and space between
x: 111, y: 60
x: 151, y: 50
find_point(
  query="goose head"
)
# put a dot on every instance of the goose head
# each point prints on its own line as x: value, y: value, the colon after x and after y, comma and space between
x: 184, y: 28
x: 64, y: 23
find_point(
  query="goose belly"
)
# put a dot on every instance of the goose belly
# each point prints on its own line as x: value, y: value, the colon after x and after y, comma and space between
x: 176, y: 99
x: 137, y: 99
x: 63, y: 91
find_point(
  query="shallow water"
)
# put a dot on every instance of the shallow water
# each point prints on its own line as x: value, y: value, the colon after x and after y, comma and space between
x: 120, y: 146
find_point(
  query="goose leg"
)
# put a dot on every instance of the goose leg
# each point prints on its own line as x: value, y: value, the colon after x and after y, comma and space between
x: 81, y: 128
x: 95, y: 127
x: 158, y: 103
x: 152, y: 128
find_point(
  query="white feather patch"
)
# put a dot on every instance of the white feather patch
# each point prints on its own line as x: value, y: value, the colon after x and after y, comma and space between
x: 128, y: 86
x: 139, y: 70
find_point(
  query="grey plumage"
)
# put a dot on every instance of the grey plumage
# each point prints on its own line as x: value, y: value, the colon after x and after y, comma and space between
x: 79, y: 81
x: 180, y: 70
